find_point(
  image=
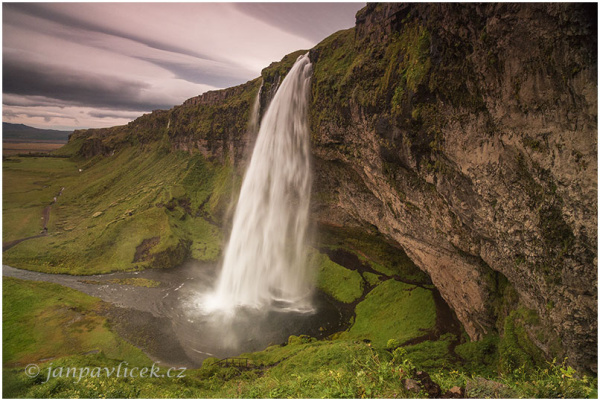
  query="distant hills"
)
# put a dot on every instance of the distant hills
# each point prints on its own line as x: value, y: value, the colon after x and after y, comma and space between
x: 24, y: 133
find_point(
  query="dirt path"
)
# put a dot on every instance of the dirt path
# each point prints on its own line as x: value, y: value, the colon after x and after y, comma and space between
x: 45, y: 220
x: 10, y: 244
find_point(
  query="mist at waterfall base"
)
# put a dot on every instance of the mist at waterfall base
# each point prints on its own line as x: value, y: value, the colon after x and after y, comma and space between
x: 264, y: 291
x: 202, y: 334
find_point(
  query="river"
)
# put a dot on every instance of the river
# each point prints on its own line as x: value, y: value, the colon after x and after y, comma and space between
x: 166, y: 321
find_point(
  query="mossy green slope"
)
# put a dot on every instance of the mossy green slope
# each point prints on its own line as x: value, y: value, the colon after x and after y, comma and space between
x: 375, y: 250
x: 148, y: 194
x: 133, y: 210
x: 342, y: 284
x: 29, y: 184
x: 394, y: 310
x: 44, y: 320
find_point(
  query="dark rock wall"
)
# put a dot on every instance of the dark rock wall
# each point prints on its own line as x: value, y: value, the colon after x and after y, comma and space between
x: 476, y: 150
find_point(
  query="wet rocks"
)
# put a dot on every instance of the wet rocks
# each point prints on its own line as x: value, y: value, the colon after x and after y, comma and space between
x: 412, y: 385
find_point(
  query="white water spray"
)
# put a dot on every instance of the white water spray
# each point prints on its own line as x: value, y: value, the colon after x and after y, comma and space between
x: 254, y: 115
x: 265, y: 260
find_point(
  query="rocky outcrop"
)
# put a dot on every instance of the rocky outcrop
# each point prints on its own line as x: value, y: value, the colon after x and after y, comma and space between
x: 214, y: 124
x: 467, y: 133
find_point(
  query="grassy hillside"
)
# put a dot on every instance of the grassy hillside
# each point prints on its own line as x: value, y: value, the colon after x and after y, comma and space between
x: 44, y: 320
x: 133, y: 210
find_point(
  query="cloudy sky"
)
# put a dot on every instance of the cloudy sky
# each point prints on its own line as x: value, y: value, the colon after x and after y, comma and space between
x: 82, y: 65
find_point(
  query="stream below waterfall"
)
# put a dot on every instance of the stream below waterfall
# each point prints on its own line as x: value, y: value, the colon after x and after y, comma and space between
x: 167, y: 323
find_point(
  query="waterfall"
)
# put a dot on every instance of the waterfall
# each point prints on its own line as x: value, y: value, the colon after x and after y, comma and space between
x: 251, y: 133
x: 253, y: 123
x: 265, y: 260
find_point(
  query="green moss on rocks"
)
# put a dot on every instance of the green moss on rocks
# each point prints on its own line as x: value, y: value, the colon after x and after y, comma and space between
x: 480, y: 356
x: 373, y: 249
x: 372, y: 279
x: 275, y: 73
x: 432, y: 355
x: 516, y: 350
x: 394, y: 310
x: 342, y: 284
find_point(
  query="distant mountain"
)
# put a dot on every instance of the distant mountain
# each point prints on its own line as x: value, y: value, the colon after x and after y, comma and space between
x: 25, y: 133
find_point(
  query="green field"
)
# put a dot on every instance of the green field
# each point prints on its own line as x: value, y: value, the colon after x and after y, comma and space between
x: 45, y: 320
x: 29, y: 184
x: 394, y: 310
x: 342, y: 284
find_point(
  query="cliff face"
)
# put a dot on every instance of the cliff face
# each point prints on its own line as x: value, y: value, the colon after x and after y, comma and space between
x: 468, y: 135
x: 464, y: 133
x: 214, y: 123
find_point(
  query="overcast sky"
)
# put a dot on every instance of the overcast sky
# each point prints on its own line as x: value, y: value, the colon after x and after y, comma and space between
x: 82, y: 65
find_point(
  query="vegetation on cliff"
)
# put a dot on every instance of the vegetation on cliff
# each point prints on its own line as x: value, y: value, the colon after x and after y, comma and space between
x: 415, y: 133
x: 133, y: 210
x: 444, y: 162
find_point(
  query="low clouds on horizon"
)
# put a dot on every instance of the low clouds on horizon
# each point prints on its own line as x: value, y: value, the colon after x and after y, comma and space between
x: 80, y: 65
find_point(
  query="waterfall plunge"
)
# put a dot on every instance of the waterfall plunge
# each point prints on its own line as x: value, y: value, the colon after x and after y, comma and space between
x: 265, y: 260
